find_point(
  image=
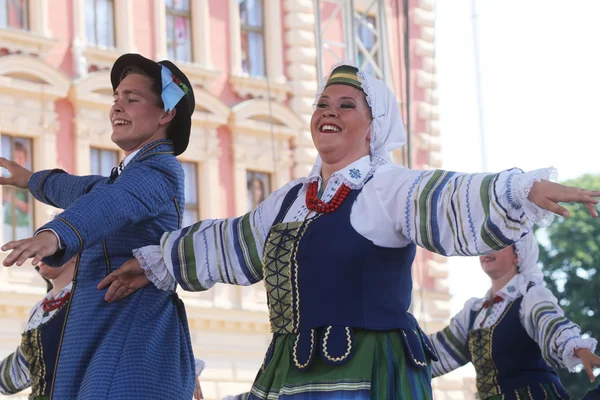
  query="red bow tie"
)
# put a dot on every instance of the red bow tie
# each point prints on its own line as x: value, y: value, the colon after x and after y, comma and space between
x: 496, y: 299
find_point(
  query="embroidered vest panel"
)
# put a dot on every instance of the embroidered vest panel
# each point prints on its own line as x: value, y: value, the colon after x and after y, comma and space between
x: 321, y: 272
x: 506, y: 359
x: 40, y: 348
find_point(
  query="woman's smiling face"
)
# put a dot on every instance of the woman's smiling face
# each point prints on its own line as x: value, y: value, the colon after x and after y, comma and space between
x: 340, y: 124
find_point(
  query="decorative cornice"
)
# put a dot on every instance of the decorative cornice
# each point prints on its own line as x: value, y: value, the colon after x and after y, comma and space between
x: 100, y: 57
x: 199, y: 75
x: 247, y: 86
x: 18, y: 41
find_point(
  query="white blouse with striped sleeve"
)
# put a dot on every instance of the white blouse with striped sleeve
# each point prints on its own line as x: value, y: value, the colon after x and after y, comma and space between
x: 445, y: 212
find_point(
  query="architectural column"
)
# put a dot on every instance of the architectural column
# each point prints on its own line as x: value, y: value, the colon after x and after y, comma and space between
x: 39, y: 18
x: 201, y: 33
x: 160, y: 29
x: 274, y: 41
x: 124, y: 36
x: 235, y: 50
x: 79, y: 39
x: 301, y: 56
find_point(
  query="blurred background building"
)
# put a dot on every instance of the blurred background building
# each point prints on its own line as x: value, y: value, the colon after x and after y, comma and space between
x: 255, y: 66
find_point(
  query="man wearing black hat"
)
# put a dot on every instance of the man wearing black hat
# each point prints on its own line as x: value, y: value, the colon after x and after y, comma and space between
x: 139, y: 348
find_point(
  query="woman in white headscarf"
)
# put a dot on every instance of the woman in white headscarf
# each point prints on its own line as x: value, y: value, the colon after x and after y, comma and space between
x: 517, y: 335
x: 335, y: 250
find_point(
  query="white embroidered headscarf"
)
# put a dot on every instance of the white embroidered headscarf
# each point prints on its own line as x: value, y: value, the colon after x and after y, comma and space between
x: 387, y: 129
x: 528, y: 252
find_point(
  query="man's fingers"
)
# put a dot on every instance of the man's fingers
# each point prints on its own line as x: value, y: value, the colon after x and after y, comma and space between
x: 13, y: 257
x: 11, y: 245
x: 28, y: 253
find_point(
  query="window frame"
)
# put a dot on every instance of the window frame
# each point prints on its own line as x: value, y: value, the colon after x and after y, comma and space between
x: 100, y: 151
x: 245, y: 28
x: 114, y: 28
x: 193, y: 206
x: 24, y: 18
x: 32, y: 213
x: 188, y: 15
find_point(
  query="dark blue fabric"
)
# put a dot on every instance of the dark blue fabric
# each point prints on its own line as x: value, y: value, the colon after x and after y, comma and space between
x: 139, y: 347
x: 593, y: 394
x: 517, y: 357
x: 346, y: 280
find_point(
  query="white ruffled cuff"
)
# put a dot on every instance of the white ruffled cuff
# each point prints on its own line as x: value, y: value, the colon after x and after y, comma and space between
x: 151, y: 261
x: 199, y: 367
x: 569, y: 358
x: 519, y: 188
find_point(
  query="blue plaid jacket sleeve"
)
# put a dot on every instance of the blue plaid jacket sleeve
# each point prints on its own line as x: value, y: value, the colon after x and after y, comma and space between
x: 142, y: 191
x: 68, y: 188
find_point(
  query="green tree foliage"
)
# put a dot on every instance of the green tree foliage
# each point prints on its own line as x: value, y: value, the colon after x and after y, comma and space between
x: 571, y: 265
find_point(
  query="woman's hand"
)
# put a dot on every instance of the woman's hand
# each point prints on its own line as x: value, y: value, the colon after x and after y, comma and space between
x: 589, y: 361
x: 547, y: 195
x: 19, y: 175
x: 42, y: 245
x: 124, y: 281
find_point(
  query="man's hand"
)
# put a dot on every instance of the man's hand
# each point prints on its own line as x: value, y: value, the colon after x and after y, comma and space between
x: 41, y: 245
x: 124, y: 281
x: 19, y: 175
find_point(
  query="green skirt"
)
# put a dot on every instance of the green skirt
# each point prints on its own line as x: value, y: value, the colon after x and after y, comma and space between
x: 380, y: 368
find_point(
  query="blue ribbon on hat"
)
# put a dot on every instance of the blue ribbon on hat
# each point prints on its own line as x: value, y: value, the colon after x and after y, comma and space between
x: 171, y: 91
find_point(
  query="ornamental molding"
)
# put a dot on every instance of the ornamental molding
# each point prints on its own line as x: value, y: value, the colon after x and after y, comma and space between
x: 26, y: 42
x: 246, y: 86
x: 30, y: 76
x: 265, y: 118
x: 261, y: 153
x: 99, y: 57
x: 26, y: 116
x: 199, y: 76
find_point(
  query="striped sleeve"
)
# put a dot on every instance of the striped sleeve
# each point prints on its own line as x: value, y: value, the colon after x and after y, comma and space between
x: 14, y: 373
x: 453, y: 214
x: 225, y: 250
x: 451, y: 343
x: 557, y: 337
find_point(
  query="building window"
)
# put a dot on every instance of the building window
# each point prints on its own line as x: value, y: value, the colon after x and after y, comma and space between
x: 190, y: 212
x: 179, y: 31
x: 366, y: 33
x: 259, y: 187
x: 253, y: 37
x: 14, y: 14
x: 103, y: 161
x: 17, y: 203
x: 100, y: 22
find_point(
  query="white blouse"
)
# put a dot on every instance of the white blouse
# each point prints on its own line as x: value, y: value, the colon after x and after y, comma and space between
x: 540, y: 315
x: 445, y: 212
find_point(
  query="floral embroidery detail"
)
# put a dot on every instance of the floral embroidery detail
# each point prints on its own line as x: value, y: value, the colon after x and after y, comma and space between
x: 182, y: 85
x: 511, y: 289
x: 355, y: 173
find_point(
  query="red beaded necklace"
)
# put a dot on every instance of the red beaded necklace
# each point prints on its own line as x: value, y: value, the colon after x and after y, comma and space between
x: 54, y: 304
x: 313, y: 202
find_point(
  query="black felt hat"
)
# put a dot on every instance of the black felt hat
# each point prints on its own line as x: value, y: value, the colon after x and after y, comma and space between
x: 180, y: 127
